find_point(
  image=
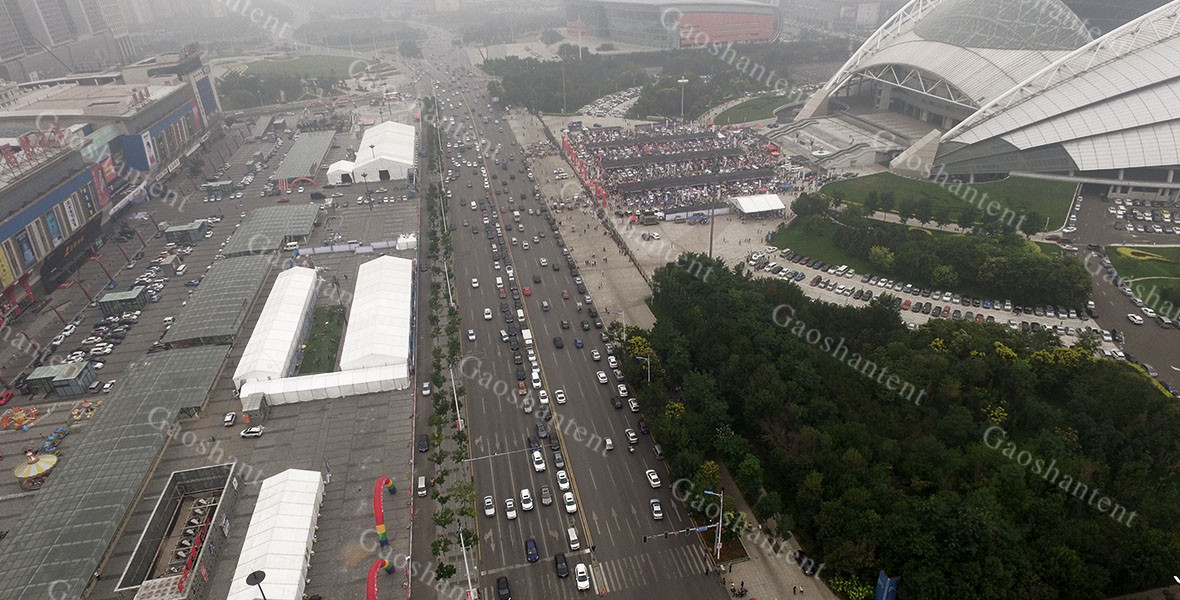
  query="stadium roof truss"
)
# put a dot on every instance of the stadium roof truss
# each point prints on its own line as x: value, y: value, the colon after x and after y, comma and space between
x: 918, y: 80
x: 1158, y: 26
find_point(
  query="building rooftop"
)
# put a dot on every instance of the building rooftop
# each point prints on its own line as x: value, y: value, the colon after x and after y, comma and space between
x: 114, y: 100
x: 266, y: 228
x: 218, y: 306
x: 305, y: 156
x: 60, y: 542
x: 130, y: 294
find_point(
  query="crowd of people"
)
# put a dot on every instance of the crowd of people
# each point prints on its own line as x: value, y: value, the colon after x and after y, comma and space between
x: 678, y: 181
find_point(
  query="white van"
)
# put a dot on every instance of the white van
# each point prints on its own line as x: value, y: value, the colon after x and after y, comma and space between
x: 499, y: 282
x: 520, y: 315
x: 421, y: 486
x: 289, y: 246
x: 181, y: 269
x: 473, y: 205
x: 575, y: 543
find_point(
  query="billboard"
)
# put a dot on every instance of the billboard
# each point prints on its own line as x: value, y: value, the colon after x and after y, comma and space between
x: 108, y: 169
x: 100, y: 187
x: 7, y: 278
x: 149, y: 149
x: 57, y: 265
x: 54, y: 229
x: 71, y: 213
x: 26, y: 248
x: 98, y: 144
x: 886, y: 587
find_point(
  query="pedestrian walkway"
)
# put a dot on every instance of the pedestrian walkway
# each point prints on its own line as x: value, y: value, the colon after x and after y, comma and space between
x: 677, y: 563
x: 769, y: 575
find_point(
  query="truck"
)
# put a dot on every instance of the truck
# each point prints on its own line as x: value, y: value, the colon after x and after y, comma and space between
x: 649, y: 219
x: 516, y: 216
x: 527, y: 336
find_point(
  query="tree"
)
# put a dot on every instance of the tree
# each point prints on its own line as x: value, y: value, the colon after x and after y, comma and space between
x: 906, y: 209
x: 445, y: 571
x: 882, y: 258
x: 550, y: 37
x: 924, y: 210
x: 749, y: 476
x: 808, y: 204
x: 942, y: 216
x: 968, y: 217
x: 708, y: 476
x: 872, y: 202
x: 1030, y: 224
x: 944, y: 276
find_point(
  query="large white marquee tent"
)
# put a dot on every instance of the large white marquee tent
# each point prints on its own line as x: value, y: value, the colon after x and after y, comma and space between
x: 379, y: 321
x: 277, y: 336
x: 280, y: 535
x: 385, y: 153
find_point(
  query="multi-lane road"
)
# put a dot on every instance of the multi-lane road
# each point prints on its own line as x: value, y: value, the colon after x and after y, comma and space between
x: 609, y: 486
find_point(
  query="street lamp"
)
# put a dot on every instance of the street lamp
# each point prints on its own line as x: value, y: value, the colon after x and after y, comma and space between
x: 255, y: 579
x: 682, y: 81
x: 365, y: 176
x: 720, y: 516
x: 648, y: 361
x: 373, y: 151
x: 260, y: 102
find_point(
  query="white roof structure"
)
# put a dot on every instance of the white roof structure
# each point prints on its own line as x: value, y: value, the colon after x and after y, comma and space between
x: 1112, y: 104
x: 392, y: 152
x: 379, y: 321
x: 339, y: 168
x: 758, y: 203
x: 279, y: 538
x: 276, y: 337
x: 322, y: 386
x: 965, y: 52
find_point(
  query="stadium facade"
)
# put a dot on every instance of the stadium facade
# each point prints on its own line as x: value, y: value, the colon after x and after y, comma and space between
x: 986, y: 88
x: 673, y: 24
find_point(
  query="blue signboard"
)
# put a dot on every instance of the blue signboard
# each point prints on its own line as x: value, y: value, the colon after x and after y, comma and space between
x: 54, y: 230
x: 886, y: 587
x: 26, y: 249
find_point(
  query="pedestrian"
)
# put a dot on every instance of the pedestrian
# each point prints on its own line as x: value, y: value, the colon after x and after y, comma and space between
x: 794, y: 590
x: 743, y: 584
x: 801, y: 591
x: 732, y: 588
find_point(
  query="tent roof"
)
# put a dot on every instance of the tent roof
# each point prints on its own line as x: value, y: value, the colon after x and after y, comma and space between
x: 341, y: 166
x: 391, y: 141
x: 277, y: 332
x: 319, y: 386
x: 281, y: 529
x: 379, y: 320
x: 759, y: 203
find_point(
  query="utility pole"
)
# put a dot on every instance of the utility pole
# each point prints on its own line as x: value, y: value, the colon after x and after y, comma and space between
x: 563, y: 86
x: 720, y: 516
x: 682, y: 81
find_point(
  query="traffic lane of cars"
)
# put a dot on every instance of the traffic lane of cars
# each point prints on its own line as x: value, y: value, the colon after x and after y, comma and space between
x: 1147, y: 342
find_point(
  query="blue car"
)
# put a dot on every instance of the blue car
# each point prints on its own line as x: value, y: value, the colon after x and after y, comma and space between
x: 530, y: 549
x: 578, y: 342
x: 800, y: 276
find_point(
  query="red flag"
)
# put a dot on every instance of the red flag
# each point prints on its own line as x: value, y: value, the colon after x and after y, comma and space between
x: 8, y: 154
x: 26, y: 146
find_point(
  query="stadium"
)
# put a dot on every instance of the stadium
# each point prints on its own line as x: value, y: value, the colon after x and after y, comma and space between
x: 673, y: 24
x: 979, y: 89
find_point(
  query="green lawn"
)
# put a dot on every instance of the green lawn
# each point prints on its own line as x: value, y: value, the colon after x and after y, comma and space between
x: 323, y: 341
x: 316, y: 66
x: 754, y: 109
x: 1153, y: 262
x: 818, y: 244
x: 1017, y: 195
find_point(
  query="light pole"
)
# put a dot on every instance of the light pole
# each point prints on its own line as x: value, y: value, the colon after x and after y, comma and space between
x: 255, y: 579
x: 648, y: 361
x: 373, y: 151
x: 720, y: 516
x: 365, y: 176
x: 260, y: 102
x: 682, y: 81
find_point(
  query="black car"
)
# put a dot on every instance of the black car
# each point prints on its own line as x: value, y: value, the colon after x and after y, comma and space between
x: 642, y: 425
x: 558, y: 459
x: 563, y: 569
x: 520, y: 373
x: 536, y: 278
x: 554, y: 444
x: 616, y: 401
x: 517, y: 359
x: 592, y: 311
x: 805, y: 562
x: 530, y: 550
x: 598, y: 324
x: 542, y: 431
x: 424, y: 443
x: 534, y: 444
x: 515, y: 345
x: 585, y: 325
x: 503, y: 592
x: 556, y: 267
x: 558, y: 343
x: 565, y: 324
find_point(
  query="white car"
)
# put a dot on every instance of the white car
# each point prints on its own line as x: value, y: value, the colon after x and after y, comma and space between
x: 425, y: 388
x: 543, y: 396
x: 539, y: 462
x: 652, y: 478
x: 612, y: 362
x: 489, y: 506
x: 571, y: 507
x: 601, y: 377
x: 252, y: 432
x: 474, y: 282
x: 657, y: 512
x: 106, y: 388
x: 622, y: 389
x: 563, y: 481
x: 1148, y: 312
x: 471, y: 335
x: 510, y: 509
x: 582, y: 576
x: 596, y: 355
x: 487, y: 314
x: 526, y: 500
x: 559, y: 396
x: 69, y: 330
x: 509, y: 271
x: 1134, y: 318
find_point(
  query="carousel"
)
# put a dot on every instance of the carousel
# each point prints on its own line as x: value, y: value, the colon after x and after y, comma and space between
x: 36, y: 468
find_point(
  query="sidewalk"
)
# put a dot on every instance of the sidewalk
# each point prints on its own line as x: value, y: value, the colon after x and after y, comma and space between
x: 770, y: 576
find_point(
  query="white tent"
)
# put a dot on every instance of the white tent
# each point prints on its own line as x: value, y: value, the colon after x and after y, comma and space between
x: 320, y: 386
x: 279, y: 538
x: 758, y: 204
x: 279, y: 331
x: 338, y: 169
x: 379, y: 321
x: 386, y: 152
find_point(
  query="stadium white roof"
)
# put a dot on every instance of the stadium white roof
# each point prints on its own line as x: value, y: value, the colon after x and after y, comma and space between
x: 276, y: 336
x: 1112, y: 104
x: 758, y: 203
x: 392, y: 151
x: 379, y: 321
x: 962, y: 51
x: 279, y: 536
x: 323, y: 386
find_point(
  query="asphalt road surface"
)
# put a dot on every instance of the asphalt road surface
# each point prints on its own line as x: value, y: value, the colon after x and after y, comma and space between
x: 610, y: 488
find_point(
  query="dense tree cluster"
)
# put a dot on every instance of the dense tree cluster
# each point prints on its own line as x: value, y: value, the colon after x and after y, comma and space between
x: 538, y: 84
x: 245, y: 90
x: 871, y: 481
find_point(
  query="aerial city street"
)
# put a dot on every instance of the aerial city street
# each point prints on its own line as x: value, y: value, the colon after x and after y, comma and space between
x: 307, y: 300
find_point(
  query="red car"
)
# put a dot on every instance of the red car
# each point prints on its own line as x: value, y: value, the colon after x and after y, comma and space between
x: 528, y: 292
x: 502, y: 294
x: 5, y: 397
x: 565, y: 295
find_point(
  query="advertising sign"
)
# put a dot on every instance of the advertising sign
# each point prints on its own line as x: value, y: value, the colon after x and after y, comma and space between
x: 54, y: 230
x: 56, y: 267
x: 26, y: 248
x: 71, y: 213
x: 197, y: 125
x: 886, y: 587
x: 100, y: 187
x: 149, y: 149
x: 7, y: 278
x: 98, y: 144
x: 108, y: 169
x: 87, y: 200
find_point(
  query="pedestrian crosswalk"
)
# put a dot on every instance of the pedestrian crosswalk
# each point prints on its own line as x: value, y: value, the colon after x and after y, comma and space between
x: 676, y: 563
